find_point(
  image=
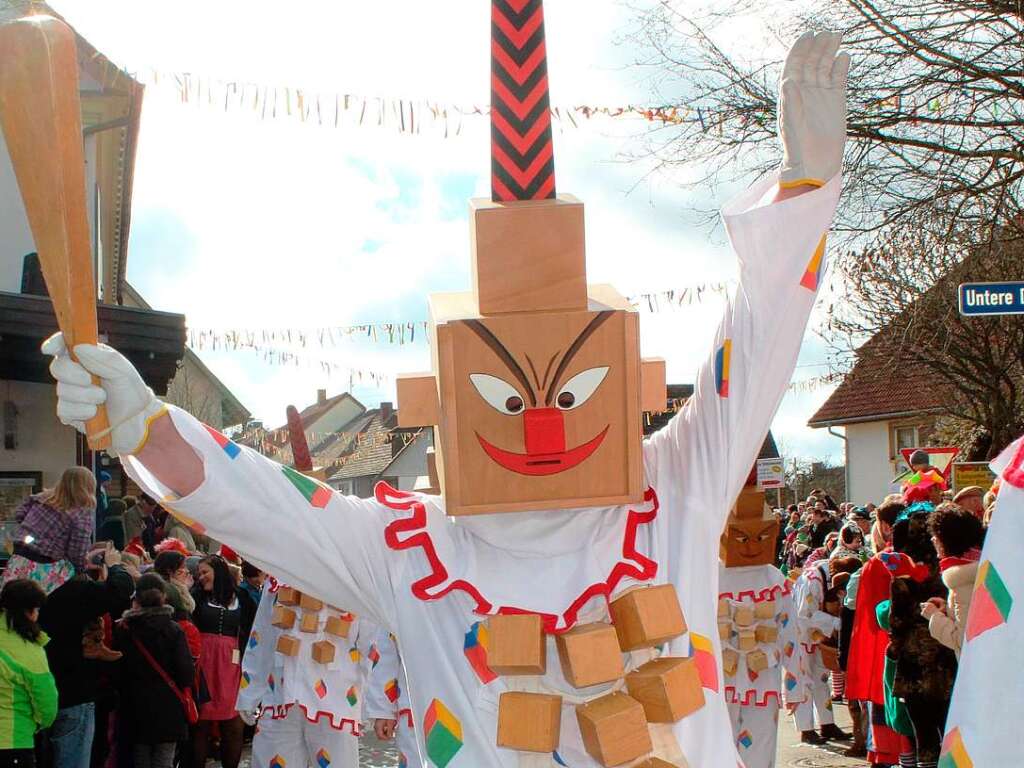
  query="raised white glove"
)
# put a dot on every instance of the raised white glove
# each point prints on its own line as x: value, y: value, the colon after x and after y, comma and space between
x: 130, y: 403
x: 812, y: 110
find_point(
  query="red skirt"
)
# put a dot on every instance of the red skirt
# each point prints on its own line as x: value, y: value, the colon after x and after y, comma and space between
x: 223, y: 673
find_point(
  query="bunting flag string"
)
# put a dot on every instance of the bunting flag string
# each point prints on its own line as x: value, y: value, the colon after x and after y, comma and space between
x: 270, y: 340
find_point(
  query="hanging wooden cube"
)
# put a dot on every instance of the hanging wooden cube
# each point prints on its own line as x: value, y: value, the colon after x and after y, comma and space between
x: 529, y: 722
x: 288, y: 645
x: 590, y: 654
x: 310, y: 603
x: 724, y: 608
x: 647, y: 617
x: 764, y: 610
x: 337, y: 626
x: 323, y: 651
x: 668, y: 688
x: 310, y: 622
x: 614, y: 729
x: 757, y: 661
x: 730, y: 661
x: 766, y: 633
x: 288, y: 596
x: 283, y: 618
x: 656, y: 762
x: 743, y: 615
x: 724, y: 630
x: 746, y: 640
x: 516, y: 645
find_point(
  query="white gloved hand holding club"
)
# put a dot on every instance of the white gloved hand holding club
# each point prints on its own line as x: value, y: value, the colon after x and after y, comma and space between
x: 130, y: 403
x: 812, y: 110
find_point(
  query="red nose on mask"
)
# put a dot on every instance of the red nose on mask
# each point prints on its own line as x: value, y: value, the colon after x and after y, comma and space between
x: 543, y: 431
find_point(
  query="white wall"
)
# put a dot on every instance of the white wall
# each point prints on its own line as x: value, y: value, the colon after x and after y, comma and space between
x: 340, y: 414
x: 15, y: 235
x: 867, y: 456
x: 412, y: 463
x: 43, y: 443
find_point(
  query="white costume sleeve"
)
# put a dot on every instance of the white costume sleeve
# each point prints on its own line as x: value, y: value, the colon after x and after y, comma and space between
x: 300, y: 530
x: 794, y: 669
x: 809, y: 595
x: 258, y: 662
x: 711, y: 444
x: 386, y: 672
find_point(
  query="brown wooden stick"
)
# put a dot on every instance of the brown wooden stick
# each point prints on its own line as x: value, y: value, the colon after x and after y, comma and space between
x: 40, y: 113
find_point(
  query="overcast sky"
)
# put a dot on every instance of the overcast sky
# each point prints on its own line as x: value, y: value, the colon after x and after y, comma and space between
x: 239, y: 221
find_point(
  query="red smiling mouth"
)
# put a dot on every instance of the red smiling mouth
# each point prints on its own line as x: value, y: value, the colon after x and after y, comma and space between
x: 542, y: 463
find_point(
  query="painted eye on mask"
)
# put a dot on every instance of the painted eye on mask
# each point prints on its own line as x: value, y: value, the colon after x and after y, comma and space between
x: 580, y: 387
x: 498, y: 394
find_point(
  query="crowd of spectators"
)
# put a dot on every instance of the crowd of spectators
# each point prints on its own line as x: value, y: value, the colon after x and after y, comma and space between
x: 120, y: 643
x: 898, y: 576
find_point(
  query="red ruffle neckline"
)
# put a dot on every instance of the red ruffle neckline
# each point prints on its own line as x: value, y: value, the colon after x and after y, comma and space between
x: 632, y: 565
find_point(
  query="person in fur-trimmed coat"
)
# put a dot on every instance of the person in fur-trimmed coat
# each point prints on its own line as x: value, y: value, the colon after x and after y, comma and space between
x: 957, y: 535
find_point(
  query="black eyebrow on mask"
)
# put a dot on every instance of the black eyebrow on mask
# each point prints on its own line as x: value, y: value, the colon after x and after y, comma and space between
x: 504, y: 355
x: 573, y: 349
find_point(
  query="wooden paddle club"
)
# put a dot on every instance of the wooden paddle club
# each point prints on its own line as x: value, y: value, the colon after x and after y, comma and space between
x: 41, y: 118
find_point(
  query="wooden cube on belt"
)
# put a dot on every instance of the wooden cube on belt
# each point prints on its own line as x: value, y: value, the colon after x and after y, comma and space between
x: 647, y: 617
x: 764, y: 609
x: 668, y: 688
x: 614, y: 729
x: 283, y: 618
x: 757, y: 661
x: 746, y: 639
x: 590, y: 654
x: 766, y: 633
x: 724, y: 608
x: 288, y: 596
x: 310, y: 603
x: 337, y: 626
x: 530, y: 722
x: 730, y: 661
x: 288, y: 645
x: 656, y: 762
x: 724, y: 630
x: 310, y: 622
x: 743, y: 615
x: 516, y: 645
x: 323, y: 651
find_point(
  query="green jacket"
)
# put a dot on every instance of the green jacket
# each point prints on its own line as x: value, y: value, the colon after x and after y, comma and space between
x: 28, y: 694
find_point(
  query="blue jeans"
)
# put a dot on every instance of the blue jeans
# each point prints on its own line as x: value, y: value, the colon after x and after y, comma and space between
x: 71, y: 736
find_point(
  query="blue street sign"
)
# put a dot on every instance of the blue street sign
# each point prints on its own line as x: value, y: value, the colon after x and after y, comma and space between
x: 992, y: 298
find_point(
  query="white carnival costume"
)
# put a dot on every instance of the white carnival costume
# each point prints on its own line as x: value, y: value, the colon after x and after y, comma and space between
x: 814, y: 624
x: 387, y: 698
x: 309, y: 713
x: 754, y: 698
x: 399, y: 559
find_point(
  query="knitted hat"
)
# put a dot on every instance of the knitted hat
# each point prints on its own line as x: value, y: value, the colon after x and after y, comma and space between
x: 171, y: 544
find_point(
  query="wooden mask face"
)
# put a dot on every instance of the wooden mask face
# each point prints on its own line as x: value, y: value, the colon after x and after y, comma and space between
x: 749, y: 542
x: 539, y: 410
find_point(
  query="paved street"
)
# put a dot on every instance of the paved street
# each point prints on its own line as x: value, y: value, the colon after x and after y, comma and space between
x: 792, y: 754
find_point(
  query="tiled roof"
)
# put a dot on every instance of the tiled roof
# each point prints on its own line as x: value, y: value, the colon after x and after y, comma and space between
x: 877, y: 389
x: 373, y: 457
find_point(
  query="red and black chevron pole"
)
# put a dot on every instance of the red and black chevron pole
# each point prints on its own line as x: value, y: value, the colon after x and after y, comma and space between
x: 522, y: 153
x: 297, y: 436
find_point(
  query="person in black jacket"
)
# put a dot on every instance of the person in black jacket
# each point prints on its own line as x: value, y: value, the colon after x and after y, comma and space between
x: 104, y: 590
x: 154, y: 713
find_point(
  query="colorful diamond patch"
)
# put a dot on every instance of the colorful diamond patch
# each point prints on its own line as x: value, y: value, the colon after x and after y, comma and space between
x: 442, y: 733
x: 254, y: 639
x: 244, y: 682
x: 278, y: 762
x: 354, y: 654
x: 320, y: 689
x: 270, y: 681
x: 722, y: 362
x: 391, y: 690
x: 373, y: 655
x: 703, y: 653
x: 315, y: 493
x: 991, y: 604
x: 351, y: 696
x: 745, y: 740
x: 323, y: 758
x: 475, y: 649
x: 954, y: 753
x: 230, y: 448
x: 812, y: 275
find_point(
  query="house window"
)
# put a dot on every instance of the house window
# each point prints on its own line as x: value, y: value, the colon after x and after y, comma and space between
x: 905, y: 437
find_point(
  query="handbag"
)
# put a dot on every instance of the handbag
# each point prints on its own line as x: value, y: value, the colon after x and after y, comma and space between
x: 184, y: 696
